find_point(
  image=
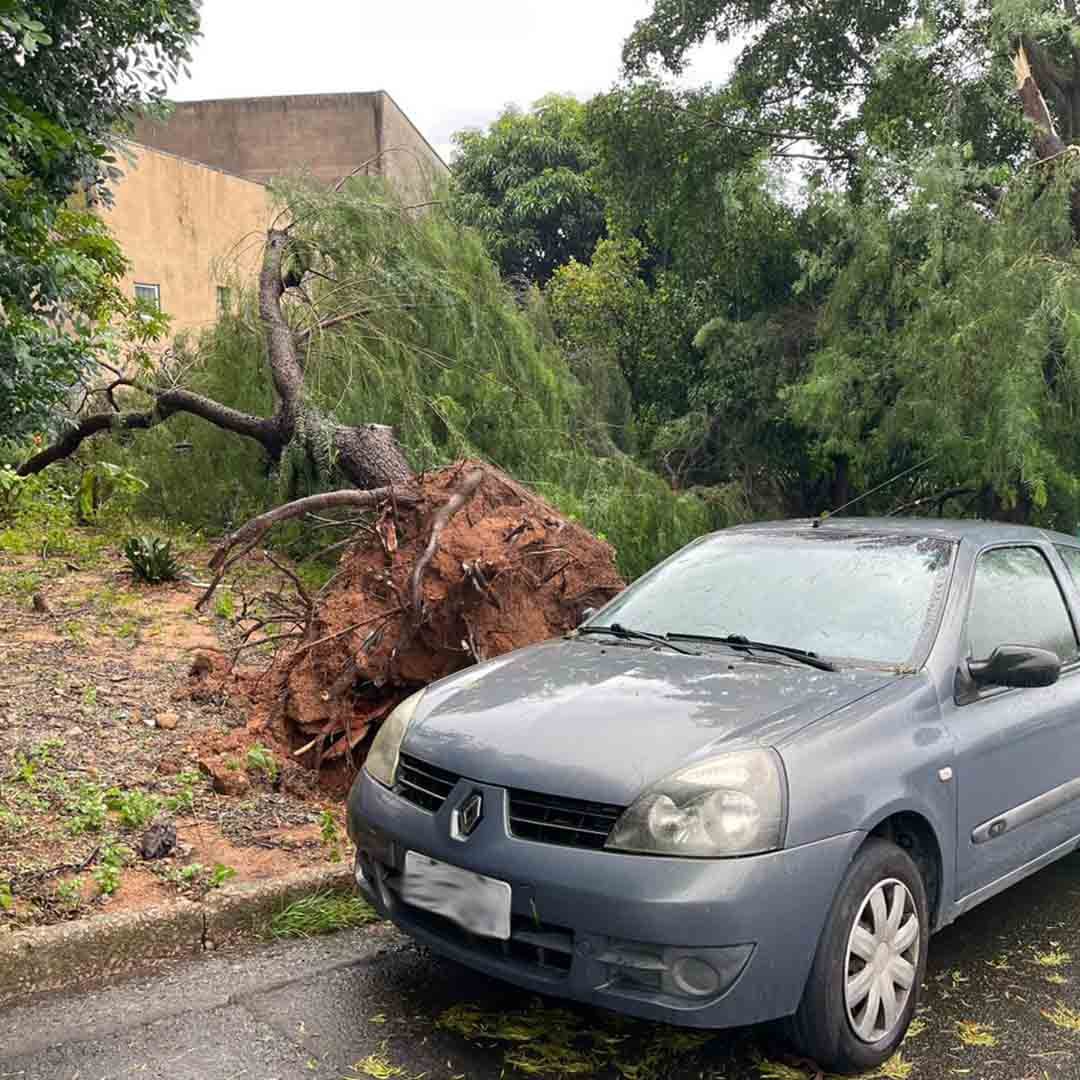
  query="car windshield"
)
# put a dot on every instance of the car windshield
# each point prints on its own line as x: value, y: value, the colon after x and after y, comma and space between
x: 854, y: 596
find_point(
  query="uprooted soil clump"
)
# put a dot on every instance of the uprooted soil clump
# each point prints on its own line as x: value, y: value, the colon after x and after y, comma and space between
x: 465, y: 565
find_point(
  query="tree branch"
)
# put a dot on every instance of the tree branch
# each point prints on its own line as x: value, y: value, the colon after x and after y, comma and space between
x: 1045, y: 137
x: 166, y: 403
x: 285, y: 368
x: 252, y: 531
x: 453, y: 505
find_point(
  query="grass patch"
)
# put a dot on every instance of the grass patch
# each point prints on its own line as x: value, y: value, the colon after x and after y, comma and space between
x: 321, y: 913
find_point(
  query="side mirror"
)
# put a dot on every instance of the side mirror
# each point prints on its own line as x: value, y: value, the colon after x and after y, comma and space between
x: 1016, y: 665
x: 586, y: 615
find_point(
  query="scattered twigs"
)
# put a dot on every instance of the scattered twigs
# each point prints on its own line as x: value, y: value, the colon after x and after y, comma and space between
x: 305, y: 597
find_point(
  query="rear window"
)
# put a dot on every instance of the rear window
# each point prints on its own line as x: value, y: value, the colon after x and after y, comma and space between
x: 854, y: 596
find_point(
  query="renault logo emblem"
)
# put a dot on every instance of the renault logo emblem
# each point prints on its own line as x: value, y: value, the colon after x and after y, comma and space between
x: 467, y: 816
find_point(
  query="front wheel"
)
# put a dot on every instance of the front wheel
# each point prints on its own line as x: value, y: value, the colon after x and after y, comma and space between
x: 870, y: 962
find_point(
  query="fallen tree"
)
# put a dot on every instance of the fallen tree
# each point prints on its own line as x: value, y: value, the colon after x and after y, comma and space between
x: 440, y: 570
x: 453, y: 569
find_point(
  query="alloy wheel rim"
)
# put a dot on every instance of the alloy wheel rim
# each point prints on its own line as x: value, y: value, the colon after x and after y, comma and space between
x: 882, y: 960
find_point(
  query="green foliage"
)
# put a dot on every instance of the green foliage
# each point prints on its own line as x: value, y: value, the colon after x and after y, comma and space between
x: 260, y: 759
x: 951, y: 334
x: 104, y: 484
x: 7, y: 898
x: 111, y: 861
x: 12, y: 492
x: 330, y: 835
x: 69, y: 893
x: 844, y: 76
x: 151, y: 559
x: 524, y: 184
x: 88, y: 811
x: 133, y: 807
x: 220, y: 874
x: 321, y: 913
x: 70, y: 74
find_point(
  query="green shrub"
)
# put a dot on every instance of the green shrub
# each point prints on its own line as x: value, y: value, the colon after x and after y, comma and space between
x: 151, y: 559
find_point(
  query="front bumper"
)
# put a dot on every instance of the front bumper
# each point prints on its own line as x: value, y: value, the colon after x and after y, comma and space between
x: 608, y: 928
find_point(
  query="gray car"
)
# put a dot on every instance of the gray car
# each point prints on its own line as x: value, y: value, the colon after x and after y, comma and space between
x: 752, y: 785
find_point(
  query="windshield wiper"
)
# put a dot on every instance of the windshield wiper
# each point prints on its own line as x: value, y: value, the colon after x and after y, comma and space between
x: 626, y: 634
x: 740, y: 641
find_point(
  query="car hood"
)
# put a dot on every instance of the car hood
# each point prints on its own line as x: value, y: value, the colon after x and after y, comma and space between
x: 598, y: 721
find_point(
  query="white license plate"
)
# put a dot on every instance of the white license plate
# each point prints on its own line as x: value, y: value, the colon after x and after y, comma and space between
x: 478, y: 903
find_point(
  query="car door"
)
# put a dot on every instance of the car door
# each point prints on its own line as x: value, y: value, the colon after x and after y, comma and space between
x: 1017, y: 750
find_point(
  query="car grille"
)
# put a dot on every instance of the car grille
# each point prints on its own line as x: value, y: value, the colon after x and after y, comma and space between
x: 539, y: 947
x: 424, y: 785
x: 551, y: 819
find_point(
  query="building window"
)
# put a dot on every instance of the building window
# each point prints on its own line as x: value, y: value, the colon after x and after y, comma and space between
x: 224, y: 299
x: 150, y: 293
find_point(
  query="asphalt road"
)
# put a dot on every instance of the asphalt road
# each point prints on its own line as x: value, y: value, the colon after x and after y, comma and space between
x: 368, y: 1003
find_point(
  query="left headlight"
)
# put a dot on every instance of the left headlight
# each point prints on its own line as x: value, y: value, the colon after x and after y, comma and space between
x: 382, y: 759
x: 734, y: 804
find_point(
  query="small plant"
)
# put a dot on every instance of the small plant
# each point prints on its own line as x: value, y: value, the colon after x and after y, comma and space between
x: 134, y: 808
x: 7, y: 899
x: 89, y: 810
x: 220, y: 874
x: 183, y: 801
x: 225, y: 605
x: 259, y: 759
x: 69, y: 893
x: 89, y: 697
x: 151, y: 559
x: 331, y: 838
x: 107, y: 874
x: 321, y: 913
x: 190, y: 873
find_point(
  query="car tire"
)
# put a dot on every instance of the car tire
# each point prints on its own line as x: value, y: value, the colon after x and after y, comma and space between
x: 834, y: 1025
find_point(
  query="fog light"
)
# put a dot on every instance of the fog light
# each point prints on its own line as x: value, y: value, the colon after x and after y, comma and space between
x: 695, y: 977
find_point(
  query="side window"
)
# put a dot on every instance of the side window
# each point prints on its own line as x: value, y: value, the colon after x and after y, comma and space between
x: 1016, y: 601
x: 1071, y: 557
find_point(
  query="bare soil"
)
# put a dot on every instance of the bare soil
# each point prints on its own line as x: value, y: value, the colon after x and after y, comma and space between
x: 98, y: 729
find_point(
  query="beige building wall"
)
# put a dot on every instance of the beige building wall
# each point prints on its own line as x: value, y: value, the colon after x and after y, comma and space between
x: 324, y: 135
x: 187, y: 228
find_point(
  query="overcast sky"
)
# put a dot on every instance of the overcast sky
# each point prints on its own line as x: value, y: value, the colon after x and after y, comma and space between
x: 449, y: 64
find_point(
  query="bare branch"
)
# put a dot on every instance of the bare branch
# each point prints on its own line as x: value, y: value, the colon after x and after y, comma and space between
x: 254, y: 530
x: 453, y: 505
x: 166, y: 404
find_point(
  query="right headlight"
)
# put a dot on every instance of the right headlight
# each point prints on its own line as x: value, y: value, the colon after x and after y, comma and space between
x: 382, y: 759
x: 733, y: 804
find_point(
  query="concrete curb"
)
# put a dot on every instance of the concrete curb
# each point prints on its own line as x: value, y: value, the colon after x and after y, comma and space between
x: 105, y: 947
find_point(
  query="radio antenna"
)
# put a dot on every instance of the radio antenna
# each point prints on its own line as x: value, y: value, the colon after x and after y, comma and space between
x: 858, y: 498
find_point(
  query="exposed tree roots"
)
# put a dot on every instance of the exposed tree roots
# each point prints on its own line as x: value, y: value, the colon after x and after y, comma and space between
x: 455, y: 569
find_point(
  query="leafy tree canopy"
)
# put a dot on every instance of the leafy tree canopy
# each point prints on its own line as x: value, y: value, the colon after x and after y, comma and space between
x: 524, y: 184
x: 70, y: 72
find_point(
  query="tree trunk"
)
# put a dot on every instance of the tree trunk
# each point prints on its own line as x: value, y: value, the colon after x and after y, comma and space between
x: 369, y: 456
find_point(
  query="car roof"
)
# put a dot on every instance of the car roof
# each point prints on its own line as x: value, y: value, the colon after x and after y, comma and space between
x: 973, y: 530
